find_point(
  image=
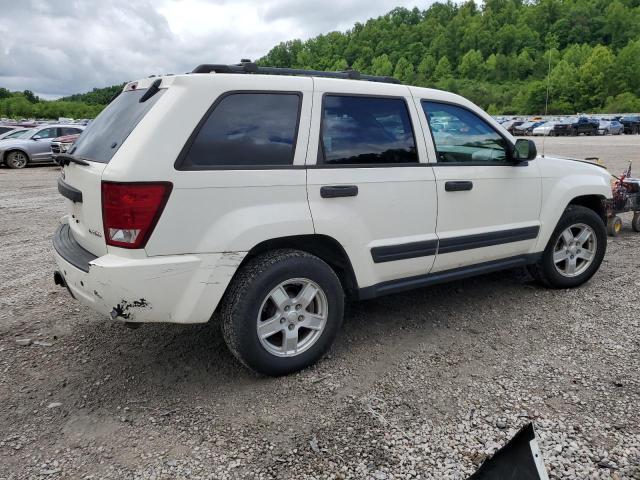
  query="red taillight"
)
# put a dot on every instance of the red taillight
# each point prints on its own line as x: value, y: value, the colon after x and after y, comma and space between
x: 130, y: 211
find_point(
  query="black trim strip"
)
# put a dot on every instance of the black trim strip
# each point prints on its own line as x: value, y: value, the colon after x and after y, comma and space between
x: 404, y: 284
x: 69, y: 192
x: 70, y: 250
x: 391, y: 253
x: 468, y: 242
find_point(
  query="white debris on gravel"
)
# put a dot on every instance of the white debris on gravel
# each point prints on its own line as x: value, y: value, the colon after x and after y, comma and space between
x: 423, y: 385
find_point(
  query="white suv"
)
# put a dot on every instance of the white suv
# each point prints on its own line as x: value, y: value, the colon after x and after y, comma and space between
x: 266, y: 197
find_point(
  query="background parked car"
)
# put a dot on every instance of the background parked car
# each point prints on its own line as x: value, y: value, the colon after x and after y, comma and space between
x: 62, y: 145
x: 526, y: 128
x: 34, y: 145
x: 511, y: 124
x: 12, y: 133
x: 610, y: 127
x: 577, y: 126
x: 631, y: 124
x: 544, y: 129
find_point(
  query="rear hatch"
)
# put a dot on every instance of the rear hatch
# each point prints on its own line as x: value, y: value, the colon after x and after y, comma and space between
x: 96, y: 146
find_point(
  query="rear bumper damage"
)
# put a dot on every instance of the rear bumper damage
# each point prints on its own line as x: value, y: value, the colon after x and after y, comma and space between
x: 174, y: 288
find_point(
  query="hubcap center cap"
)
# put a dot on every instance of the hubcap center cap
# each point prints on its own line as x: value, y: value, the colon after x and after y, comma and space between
x: 291, y: 316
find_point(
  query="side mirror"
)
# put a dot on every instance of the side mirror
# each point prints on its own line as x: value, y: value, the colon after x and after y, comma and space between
x: 524, y: 150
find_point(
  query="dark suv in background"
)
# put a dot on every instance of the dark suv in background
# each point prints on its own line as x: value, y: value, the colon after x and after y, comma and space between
x: 631, y: 124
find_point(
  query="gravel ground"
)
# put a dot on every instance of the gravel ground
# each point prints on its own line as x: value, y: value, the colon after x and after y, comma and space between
x: 419, y: 385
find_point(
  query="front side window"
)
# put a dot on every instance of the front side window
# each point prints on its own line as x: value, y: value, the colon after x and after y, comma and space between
x: 358, y: 130
x: 51, y: 132
x: 461, y: 136
x: 247, y: 129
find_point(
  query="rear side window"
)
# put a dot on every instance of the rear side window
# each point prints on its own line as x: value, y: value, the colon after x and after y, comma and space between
x: 103, y: 137
x: 359, y: 130
x: 246, y: 130
x: 69, y: 131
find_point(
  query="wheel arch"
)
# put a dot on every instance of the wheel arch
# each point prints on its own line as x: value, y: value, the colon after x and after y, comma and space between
x: 6, y: 154
x: 597, y: 203
x: 324, y: 247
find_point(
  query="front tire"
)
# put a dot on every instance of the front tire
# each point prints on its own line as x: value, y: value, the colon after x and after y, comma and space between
x: 575, y: 250
x: 16, y: 159
x: 282, y: 311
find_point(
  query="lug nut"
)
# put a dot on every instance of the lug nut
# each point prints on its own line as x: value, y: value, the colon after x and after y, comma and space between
x: 291, y: 326
x: 301, y: 317
x: 282, y: 320
x: 298, y: 307
x: 286, y: 309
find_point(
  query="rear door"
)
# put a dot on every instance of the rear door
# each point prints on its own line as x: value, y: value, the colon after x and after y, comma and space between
x: 369, y: 184
x: 99, y: 142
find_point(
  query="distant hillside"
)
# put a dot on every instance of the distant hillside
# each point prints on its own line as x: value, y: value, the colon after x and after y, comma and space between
x: 97, y: 96
x: 495, y: 54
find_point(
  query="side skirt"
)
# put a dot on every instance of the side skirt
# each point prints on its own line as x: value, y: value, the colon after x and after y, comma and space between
x: 404, y: 284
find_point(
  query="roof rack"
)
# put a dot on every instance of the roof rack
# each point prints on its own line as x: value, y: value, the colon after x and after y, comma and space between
x: 247, y: 66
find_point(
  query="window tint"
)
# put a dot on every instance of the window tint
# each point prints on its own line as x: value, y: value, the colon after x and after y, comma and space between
x: 462, y: 136
x: 51, y: 132
x: 247, y: 129
x: 103, y: 137
x: 366, y: 130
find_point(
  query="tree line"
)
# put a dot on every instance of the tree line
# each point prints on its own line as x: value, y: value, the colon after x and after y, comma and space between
x: 498, y: 54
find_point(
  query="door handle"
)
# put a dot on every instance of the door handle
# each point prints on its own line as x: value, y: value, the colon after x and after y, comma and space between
x: 458, y: 186
x: 335, y: 191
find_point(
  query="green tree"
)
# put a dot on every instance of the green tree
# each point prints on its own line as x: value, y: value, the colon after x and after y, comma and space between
x: 622, y: 103
x: 404, y: 71
x: 382, y: 65
x: 443, y: 69
x: 472, y: 65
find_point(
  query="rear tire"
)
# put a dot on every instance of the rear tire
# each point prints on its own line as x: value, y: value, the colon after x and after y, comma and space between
x: 575, y: 250
x: 16, y: 159
x: 267, y: 322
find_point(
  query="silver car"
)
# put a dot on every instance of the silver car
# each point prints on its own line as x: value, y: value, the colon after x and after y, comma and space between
x: 34, y: 145
x: 16, y: 132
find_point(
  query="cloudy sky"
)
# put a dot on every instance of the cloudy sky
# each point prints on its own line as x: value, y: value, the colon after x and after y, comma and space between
x: 59, y: 47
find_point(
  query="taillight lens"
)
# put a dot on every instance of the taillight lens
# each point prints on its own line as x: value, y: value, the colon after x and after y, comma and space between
x: 130, y: 211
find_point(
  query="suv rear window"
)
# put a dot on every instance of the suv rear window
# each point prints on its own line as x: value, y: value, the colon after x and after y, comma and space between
x: 361, y: 130
x: 103, y: 137
x: 245, y: 129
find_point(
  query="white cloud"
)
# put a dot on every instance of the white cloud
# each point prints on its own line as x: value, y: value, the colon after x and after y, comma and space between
x: 59, y: 47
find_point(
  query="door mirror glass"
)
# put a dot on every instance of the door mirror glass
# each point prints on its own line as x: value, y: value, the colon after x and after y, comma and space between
x: 524, y: 150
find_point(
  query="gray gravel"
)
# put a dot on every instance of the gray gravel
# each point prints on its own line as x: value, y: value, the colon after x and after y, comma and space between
x: 419, y: 385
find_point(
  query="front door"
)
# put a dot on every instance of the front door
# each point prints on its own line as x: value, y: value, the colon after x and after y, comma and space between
x: 41, y: 149
x: 488, y: 206
x: 369, y: 186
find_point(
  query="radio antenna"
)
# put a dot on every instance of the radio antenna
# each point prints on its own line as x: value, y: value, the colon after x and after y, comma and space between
x: 551, y: 40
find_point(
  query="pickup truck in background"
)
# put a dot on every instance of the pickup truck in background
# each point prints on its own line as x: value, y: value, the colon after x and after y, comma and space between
x: 581, y: 125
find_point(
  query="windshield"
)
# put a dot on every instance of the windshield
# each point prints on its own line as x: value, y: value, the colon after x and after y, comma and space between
x: 105, y: 135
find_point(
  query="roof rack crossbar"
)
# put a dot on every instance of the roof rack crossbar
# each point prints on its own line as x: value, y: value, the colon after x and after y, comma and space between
x: 251, y: 67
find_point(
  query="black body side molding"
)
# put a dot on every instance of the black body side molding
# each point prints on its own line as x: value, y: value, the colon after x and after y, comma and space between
x: 390, y: 253
x: 69, y: 192
x: 467, y: 242
x: 404, y: 284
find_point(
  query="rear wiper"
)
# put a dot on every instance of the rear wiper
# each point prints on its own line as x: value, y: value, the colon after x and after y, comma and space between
x: 65, y: 159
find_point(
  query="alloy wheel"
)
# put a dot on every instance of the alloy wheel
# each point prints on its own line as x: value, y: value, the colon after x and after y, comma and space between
x: 575, y: 250
x: 292, y: 317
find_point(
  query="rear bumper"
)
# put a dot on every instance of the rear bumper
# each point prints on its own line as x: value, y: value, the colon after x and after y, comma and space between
x: 175, y: 288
